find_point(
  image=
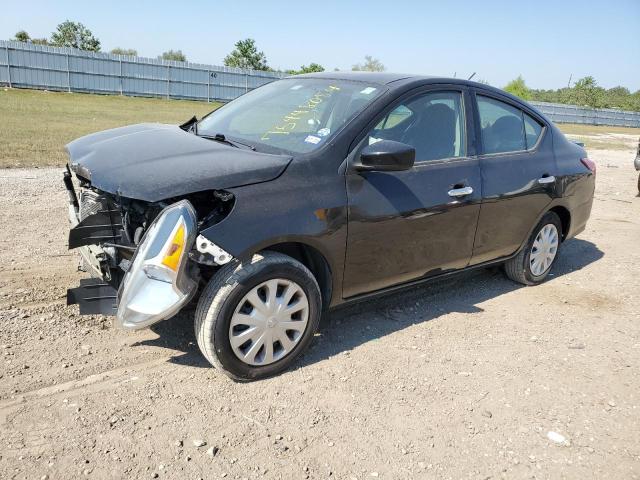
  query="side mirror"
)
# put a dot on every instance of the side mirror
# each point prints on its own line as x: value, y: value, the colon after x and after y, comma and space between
x: 386, y: 156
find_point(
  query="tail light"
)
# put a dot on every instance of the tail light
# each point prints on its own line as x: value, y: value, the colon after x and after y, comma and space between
x: 590, y: 164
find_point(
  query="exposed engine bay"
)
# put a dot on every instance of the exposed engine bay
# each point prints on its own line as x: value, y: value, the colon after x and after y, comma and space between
x: 137, y: 213
x: 108, y: 231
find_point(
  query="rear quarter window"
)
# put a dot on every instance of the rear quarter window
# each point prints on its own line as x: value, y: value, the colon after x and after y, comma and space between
x: 532, y: 130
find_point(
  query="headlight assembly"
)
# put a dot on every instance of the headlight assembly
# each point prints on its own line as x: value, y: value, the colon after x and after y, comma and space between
x: 157, y: 284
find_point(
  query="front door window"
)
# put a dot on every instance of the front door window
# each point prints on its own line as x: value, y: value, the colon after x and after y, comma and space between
x: 433, y: 123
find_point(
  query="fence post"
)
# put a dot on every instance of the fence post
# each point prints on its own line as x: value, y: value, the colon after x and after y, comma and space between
x: 246, y: 82
x: 68, y: 75
x: 208, y: 85
x: 120, y: 61
x: 8, y: 66
x: 168, y: 80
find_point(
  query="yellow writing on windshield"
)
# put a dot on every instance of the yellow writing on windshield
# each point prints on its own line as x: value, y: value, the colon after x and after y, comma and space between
x: 289, y: 121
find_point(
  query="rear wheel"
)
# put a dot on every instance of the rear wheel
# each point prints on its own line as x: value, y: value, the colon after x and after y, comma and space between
x: 533, y: 263
x: 255, y: 317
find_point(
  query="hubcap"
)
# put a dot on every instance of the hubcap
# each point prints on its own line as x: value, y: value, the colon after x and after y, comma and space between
x: 544, y: 249
x: 269, y: 322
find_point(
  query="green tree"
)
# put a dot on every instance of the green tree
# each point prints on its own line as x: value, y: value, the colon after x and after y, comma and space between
x: 176, y: 55
x: 587, y: 92
x: 246, y: 55
x: 312, y: 68
x: 124, y: 51
x: 618, y: 91
x: 519, y: 88
x: 634, y: 101
x: 75, y: 35
x: 22, y: 36
x: 619, y: 97
x: 370, y: 65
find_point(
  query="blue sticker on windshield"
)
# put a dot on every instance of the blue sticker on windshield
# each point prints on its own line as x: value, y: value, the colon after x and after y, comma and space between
x: 323, y: 132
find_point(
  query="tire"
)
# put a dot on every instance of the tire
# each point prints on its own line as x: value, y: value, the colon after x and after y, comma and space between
x: 224, y: 299
x: 519, y: 268
x: 638, y: 184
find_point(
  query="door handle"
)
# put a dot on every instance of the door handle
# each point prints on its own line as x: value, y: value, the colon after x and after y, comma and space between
x: 546, y: 179
x: 460, y: 192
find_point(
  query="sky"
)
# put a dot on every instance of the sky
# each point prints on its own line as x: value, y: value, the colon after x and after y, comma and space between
x: 546, y: 41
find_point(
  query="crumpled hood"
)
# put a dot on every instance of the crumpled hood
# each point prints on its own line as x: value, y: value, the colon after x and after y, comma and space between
x: 153, y: 162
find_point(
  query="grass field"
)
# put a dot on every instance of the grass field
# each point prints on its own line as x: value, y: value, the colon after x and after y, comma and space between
x: 578, y: 129
x: 602, y: 137
x: 35, y: 125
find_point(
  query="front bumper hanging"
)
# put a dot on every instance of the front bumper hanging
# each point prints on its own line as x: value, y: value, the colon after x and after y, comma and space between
x: 94, y: 297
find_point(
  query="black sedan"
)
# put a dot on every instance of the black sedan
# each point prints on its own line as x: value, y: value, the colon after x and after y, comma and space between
x: 314, y: 191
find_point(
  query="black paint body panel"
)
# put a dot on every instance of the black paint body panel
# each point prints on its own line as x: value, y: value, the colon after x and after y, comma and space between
x: 153, y: 162
x: 404, y: 225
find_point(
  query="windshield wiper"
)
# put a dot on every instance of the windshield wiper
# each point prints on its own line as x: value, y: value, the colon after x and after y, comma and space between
x: 219, y: 137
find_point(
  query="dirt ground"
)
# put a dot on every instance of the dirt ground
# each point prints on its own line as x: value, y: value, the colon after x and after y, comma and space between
x: 474, y: 377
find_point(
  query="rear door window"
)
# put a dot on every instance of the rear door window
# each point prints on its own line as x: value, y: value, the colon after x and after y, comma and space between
x: 502, y: 126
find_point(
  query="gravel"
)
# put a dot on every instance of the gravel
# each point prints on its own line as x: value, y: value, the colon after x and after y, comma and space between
x: 459, y: 379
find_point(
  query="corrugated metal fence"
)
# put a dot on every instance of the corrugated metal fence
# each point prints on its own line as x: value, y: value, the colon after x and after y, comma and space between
x: 25, y: 65
x: 561, y: 113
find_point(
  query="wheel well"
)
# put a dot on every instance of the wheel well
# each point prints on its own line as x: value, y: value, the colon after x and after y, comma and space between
x: 314, y: 261
x: 565, y: 218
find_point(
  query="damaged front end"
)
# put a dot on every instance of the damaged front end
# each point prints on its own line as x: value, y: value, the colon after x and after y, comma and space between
x: 143, y: 256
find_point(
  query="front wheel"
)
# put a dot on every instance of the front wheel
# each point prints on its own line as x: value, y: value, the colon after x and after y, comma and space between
x: 533, y: 263
x: 255, y: 317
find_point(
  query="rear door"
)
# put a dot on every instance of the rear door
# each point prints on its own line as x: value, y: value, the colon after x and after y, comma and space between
x: 518, y: 174
x: 420, y: 222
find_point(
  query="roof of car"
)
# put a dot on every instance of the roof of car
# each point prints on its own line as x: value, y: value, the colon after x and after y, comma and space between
x: 373, y: 77
x: 387, y: 78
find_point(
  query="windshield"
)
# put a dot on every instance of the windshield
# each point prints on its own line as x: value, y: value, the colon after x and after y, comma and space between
x: 295, y: 115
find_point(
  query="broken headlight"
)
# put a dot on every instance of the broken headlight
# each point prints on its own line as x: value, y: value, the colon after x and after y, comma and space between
x: 157, y: 284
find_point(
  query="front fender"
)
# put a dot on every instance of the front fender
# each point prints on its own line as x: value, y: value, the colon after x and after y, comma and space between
x: 313, y: 213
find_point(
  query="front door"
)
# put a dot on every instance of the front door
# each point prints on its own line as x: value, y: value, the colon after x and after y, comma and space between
x: 420, y: 222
